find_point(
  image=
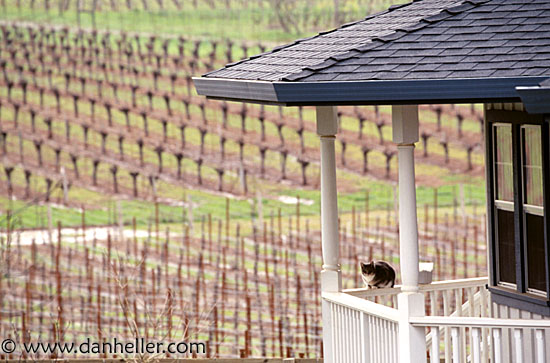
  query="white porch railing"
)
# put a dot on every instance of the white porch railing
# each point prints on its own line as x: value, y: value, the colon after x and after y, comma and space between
x: 490, y: 332
x: 458, y: 322
x: 442, y: 297
x: 362, y: 331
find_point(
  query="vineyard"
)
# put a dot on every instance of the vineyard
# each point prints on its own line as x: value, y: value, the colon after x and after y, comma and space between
x: 116, y: 115
x: 243, y: 290
x: 132, y: 207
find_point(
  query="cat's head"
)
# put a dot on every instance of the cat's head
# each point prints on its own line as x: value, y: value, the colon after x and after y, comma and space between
x: 367, y: 268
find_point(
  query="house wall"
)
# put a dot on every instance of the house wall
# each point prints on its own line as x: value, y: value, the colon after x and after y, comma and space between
x: 517, y: 106
x: 508, y: 346
x: 507, y: 312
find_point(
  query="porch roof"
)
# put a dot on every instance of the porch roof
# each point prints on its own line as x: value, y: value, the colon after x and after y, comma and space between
x: 427, y: 51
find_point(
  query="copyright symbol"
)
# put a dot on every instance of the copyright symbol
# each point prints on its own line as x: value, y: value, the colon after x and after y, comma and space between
x: 8, y: 346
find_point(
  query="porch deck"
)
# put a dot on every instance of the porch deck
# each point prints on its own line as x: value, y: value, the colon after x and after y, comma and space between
x: 461, y: 325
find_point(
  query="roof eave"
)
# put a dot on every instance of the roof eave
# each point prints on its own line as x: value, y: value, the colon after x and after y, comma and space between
x: 535, y: 99
x: 382, y: 92
x: 236, y: 90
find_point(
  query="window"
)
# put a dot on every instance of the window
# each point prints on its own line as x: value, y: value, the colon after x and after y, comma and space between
x: 504, y: 204
x: 533, y: 208
x: 517, y: 187
x: 504, y: 171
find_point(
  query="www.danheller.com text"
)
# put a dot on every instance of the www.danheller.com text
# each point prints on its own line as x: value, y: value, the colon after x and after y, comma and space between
x: 114, y: 346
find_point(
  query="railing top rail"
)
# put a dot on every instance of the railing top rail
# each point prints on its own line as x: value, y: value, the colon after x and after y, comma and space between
x: 365, y: 306
x: 455, y: 284
x: 434, y: 286
x: 477, y: 322
x: 366, y: 292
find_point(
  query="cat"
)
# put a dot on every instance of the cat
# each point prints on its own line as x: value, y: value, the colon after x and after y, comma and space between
x: 377, y: 274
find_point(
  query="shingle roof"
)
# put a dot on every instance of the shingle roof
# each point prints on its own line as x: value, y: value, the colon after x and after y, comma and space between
x: 427, y: 39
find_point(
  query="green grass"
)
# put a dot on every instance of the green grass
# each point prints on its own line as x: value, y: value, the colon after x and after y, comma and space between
x: 380, y: 194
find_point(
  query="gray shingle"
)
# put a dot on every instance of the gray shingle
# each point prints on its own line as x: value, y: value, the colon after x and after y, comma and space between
x: 495, y: 65
x: 427, y: 75
x: 377, y: 68
x: 516, y: 72
x: 539, y: 56
x: 424, y: 39
x: 463, y: 66
x: 354, y: 76
x: 418, y: 52
x: 343, y: 69
x: 389, y: 75
x: 322, y: 77
x: 534, y: 72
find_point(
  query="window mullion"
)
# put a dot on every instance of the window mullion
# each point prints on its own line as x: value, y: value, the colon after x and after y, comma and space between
x: 519, y: 219
x: 490, y: 158
x: 545, y: 135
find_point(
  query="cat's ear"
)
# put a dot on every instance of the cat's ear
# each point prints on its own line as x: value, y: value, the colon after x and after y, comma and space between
x: 363, y: 266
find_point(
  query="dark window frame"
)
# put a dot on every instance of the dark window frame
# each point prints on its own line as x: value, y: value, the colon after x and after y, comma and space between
x: 527, y: 209
x: 495, y: 208
x: 517, y: 296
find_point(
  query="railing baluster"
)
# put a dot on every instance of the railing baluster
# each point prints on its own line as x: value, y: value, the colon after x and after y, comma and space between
x: 338, y: 348
x: 380, y: 339
x: 364, y: 342
x: 497, y: 342
x: 486, y: 333
x: 372, y: 332
x: 353, y: 340
x: 360, y: 340
x: 471, y: 312
x: 353, y: 332
x: 459, y: 312
x: 343, y: 335
x: 375, y: 343
x: 357, y: 336
x: 346, y: 332
x: 387, y: 335
x: 395, y: 342
x: 472, y: 306
x: 455, y: 339
x: 385, y: 343
x: 476, y: 354
x: 435, y: 344
x: 518, y: 343
x: 335, y: 338
x: 433, y: 303
x: 446, y: 312
x: 353, y: 336
x: 335, y: 342
x: 540, y: 345
x: 392, y: 343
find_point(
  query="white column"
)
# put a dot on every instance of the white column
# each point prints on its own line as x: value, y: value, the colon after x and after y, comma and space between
x: 408, y: 227
x: 405, y: 134
x: 412, y: 340
x: 331, y: 278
